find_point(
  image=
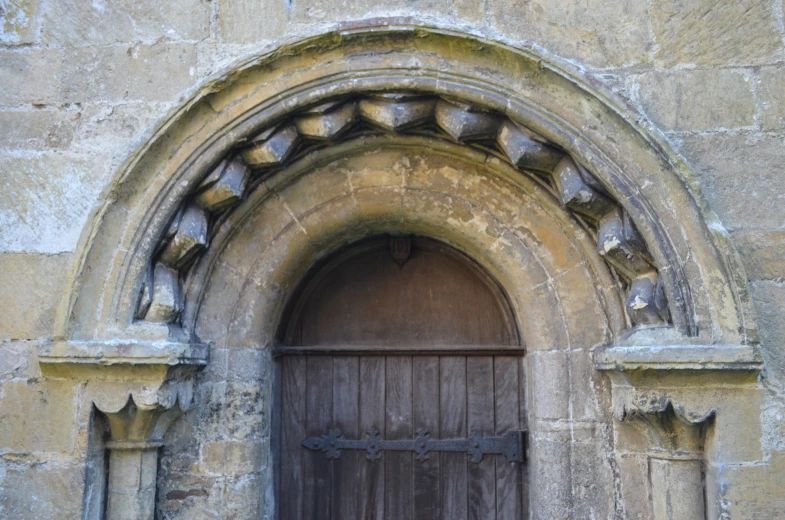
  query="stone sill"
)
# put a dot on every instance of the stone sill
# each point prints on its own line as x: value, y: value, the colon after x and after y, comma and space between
x: 123, y: 352
x: 679, y: 357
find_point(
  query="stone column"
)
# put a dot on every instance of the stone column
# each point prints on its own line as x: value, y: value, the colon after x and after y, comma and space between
x: 676, y: 460
x: 136, y: 435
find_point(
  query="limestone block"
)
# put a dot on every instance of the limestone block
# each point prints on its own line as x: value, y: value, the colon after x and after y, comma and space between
x: 242, y: 494
x: 525, y: 149
x: 707, y: 32
x: 127, y: 73
x: 18, y: 359
x: 272, y: 147
x: 621, y: 245
x: 317, y: 11
x: 188, y: 237
x: 240, y: 21
x: 762, y: 252
x: 224, y: 187
x: 113, y: 128
x: 19, y: 21
x: 395, y: 112
x: 166, y: 298
x: 37, y: 129
x: 596, y: 32
x: 46, y: 198
x: 465, y: 123
x: 573, y: 184
x: 31, y: 286
x: 754, y: 491
x: 646, y: 303
x: 551, y: 400
x: 328, y: 121
x: 30, y: 76
x: 741, y: 177
x: 697, y: 99
x: 677, y: 489
x: 232, y: 457
x: 771, y: 91
x: 45, y: 490
x: 769, y: 300
x: 75, y: 24
x: 38, y: 417
x: 247, y: 410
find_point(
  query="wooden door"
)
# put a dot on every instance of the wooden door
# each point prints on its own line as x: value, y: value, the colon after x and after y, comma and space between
x: 398, y: 338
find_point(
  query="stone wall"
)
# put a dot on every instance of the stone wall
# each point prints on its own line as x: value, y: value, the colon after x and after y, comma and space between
x: 83, y: 83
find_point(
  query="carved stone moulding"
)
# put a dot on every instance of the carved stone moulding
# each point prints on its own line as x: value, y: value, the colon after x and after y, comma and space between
x: 362, y: 114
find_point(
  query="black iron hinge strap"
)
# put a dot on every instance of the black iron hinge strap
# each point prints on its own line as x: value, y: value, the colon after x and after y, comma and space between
x: 511, y: 445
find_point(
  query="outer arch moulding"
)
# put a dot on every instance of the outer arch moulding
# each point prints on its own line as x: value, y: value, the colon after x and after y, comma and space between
x: 213, y: 166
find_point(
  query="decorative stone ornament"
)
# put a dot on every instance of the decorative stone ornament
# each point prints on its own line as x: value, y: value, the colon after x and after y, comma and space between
x: 227, y: 157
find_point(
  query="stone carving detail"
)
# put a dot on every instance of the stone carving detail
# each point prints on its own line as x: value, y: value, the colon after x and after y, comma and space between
x: 224, y: 186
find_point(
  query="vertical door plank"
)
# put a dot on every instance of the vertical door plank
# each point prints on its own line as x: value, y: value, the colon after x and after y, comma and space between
x: 293, y: 419
x: 452, y: 417
x: 399, y: 489
x: 508, y: 475
x: 371, y: 474
x: 480, y: 411
x: 319, y: 375
x: 346, y: 403
x: 425, y: 404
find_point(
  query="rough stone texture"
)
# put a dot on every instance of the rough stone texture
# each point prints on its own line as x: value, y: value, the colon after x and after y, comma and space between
x: 741, y: 175
x: 19, y: 21
x: 82, y: 82
x: 698, y: 99
x: 594, y: 32
x: 708, y: 32
x: 45, y: 199
x: 30, y: 286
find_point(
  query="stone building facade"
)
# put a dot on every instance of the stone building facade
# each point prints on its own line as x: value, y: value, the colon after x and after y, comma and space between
x: 172, y: 171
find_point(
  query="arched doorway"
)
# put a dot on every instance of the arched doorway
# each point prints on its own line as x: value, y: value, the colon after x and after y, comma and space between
x: 401, y: 389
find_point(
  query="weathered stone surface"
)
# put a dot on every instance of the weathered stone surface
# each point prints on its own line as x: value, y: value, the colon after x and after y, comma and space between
x: 526, y: 150
x: 328, y: 121
x: 576, y: 193
x: 602, y: 34
x: 769, y: 299
x: 232, y: 457
x: 166, y: 298
x: 646, y: 303
x: 29, y: 76
x: 754, y: 491
x: 45, y: 199
x: 224, y: 187
x: 41, y: 417
x: 31, y: 286
x: 621, y: 245
x: 19, y: 21
x: 741, y: 176
x: 706, y: 32
x: 463, y: 122
x: 396, y: 112
x: 48, y: 491
x: 76, y: 24
x: 38, y: 129
x: 771, y: 93
x: 127, y: 73
x: 704, y: 99
x: 113, y: 128
x: 240, y: 21
x: 188, y: 237
x: 271, y: 149
x: 762, y: 252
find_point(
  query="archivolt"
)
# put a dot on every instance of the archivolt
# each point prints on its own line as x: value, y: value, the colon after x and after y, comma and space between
x: 620, y: 183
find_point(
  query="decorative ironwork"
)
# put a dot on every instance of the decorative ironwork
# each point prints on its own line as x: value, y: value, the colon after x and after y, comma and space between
x: 511, y: 445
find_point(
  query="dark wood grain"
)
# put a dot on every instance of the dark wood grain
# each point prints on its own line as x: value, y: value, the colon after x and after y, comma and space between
x: 508, y: 475
x: 452, y: 424
x: 425, y: 381
x: 293, y: 401
x: 317, y: 467
x: 480, y: 417
x: 399, y: 487
x: 370, y: 476
x: 346, y: 404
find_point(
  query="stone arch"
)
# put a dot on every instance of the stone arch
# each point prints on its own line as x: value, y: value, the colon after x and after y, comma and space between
x: 648, y: 181
x: 587, y: 215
